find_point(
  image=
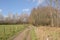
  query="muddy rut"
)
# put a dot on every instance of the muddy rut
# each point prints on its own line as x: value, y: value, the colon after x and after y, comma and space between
x: 25, y: 35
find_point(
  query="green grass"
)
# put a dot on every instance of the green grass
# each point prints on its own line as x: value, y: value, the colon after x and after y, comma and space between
x: 33, y: 35
x: 7, y: 31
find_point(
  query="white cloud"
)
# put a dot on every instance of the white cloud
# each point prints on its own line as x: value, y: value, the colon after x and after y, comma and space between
x: 25, y: 10
x: 0, y: 10
x: 38, y: 1
x: 34, y: 0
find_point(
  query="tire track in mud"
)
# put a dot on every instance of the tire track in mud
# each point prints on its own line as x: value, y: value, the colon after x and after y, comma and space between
x: 25, y: 35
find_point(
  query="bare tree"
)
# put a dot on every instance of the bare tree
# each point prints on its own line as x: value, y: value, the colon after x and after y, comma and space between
x: 24, y: 17
x: 56, y: 1
x: 1, y: 18
x: 52, y: 24
x: 9, y: 18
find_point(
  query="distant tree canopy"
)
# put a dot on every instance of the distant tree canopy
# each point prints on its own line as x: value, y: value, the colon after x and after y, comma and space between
x: 38, y: 16
x: 14, y: 18
x: 42, y: 16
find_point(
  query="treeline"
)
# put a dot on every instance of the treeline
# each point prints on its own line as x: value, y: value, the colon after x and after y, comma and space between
x: 38, y: 16
x: 48, y: 14
x: 14, y: 18
x: 42, y: 16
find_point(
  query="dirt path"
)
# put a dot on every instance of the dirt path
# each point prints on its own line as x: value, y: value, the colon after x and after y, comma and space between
x: 25, y: 35
x: 28, y: 37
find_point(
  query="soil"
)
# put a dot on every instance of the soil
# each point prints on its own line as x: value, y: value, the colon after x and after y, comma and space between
x: 25, y: 35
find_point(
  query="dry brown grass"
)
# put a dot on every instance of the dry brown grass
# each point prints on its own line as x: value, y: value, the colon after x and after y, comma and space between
x: 44, y: 32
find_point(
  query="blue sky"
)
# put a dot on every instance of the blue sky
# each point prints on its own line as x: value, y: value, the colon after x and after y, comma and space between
x: 18, y: 6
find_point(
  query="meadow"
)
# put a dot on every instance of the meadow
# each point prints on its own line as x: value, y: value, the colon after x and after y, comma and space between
x: 37, y: 33
x: 47, y: 33
x: 7, y: 31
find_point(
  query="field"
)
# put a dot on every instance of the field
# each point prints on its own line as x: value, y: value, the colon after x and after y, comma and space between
x: 7, y: 31
x: 30, y: 33
x: 47, y: 33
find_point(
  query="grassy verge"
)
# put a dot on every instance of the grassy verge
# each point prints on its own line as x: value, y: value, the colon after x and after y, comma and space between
x: 7, y: 31
x: 33, y: 35
x: 44, y: 32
